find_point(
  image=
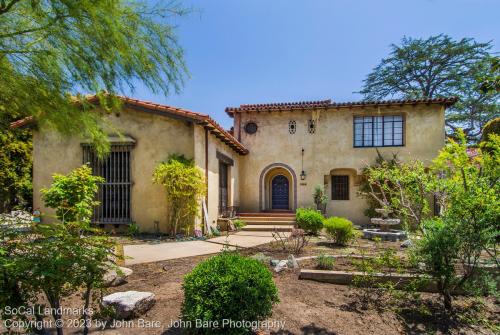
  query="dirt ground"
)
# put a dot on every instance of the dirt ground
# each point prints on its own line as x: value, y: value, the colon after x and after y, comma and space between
x: 306, y: 307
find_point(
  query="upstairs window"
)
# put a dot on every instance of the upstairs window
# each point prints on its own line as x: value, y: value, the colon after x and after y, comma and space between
x: 378, y: 131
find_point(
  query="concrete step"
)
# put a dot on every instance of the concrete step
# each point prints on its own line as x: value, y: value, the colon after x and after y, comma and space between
x: 268, y: 214
x: 270, y: 223
x: 267, y: 228
x: 266, y: 218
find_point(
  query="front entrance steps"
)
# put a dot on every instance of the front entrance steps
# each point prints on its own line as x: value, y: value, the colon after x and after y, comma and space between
x: 268, y: 221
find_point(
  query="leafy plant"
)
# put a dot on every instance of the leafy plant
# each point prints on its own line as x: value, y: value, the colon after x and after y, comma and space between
x: 228, y: 287
x: 73, y: 195
x: 320, y: 197
x: 309, y: 219
x: 238, y: 224
x: 340, y: 230
x: 133, y: 229
x: 59, y: 259
x: 325, y: 262
x: 184, y: 185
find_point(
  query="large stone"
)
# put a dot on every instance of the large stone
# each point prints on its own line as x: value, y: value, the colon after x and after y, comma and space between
x: 116, y: 276
x: 406, y: 244
x: 282, y: 265
x: 129, y: 304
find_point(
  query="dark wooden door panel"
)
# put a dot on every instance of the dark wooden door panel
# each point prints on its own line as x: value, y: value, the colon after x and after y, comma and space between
x: 280, y: 192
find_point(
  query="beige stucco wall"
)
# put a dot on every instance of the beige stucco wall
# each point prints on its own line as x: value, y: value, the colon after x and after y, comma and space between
x: 329, y: 148
x: 215, y: 145
x: 156, y: 138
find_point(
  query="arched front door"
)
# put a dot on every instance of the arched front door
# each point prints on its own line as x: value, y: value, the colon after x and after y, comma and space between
x: 279, y: 192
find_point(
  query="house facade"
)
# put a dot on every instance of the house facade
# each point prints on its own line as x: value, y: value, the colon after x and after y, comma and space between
x: 271, y: 160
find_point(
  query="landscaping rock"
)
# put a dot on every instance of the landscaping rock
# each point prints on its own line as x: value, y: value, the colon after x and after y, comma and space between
x: 292, y: 262
x: 406, y: 244
x: 129, y: 304
x: 115, y: 277
x: 274, y: 262
x: 282, y: 265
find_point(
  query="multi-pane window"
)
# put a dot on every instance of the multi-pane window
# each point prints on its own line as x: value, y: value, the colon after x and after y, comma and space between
x: 378, y: 131
x: 340, y: 187
x: 114, y: 193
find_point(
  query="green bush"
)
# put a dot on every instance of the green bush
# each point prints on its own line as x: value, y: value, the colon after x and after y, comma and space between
x: 340, y: 230
x: 228, y: 287
x: 238, y: 224
x: 324, y: 262
x: 309, y: 219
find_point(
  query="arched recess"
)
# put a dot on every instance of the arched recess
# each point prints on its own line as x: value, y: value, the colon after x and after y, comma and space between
x: 265, y: 189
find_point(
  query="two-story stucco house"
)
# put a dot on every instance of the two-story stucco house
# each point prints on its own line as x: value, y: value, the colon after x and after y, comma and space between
x: 270, y: 161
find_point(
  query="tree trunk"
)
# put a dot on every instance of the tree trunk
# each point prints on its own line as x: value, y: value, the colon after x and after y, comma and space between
x: 56, y: 312
x: 447, y: 298
x: 86, y: 296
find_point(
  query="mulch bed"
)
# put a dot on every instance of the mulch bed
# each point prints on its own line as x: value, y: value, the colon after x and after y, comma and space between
x: 306, y: 307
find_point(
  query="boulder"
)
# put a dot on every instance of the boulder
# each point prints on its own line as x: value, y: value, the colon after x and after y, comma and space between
x: 292, y: 262
x: 406, y: 244
x: 129, y: 304
x: 116, y: 276
x: 274, y: 262
x: 282, y: 265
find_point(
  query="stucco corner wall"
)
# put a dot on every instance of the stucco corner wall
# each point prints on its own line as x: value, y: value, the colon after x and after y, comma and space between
x: 156, y: 138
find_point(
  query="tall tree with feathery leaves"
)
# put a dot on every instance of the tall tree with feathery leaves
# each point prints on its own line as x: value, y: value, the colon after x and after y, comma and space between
x: 54, y: 52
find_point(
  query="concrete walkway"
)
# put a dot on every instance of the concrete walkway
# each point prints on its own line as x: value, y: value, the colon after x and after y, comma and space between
x: 145, y: 253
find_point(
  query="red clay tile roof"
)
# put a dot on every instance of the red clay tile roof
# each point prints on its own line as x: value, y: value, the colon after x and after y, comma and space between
x: 201, y: 119
x: 328, y: 104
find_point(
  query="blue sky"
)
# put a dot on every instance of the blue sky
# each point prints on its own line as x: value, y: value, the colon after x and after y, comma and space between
x: 259, y: 51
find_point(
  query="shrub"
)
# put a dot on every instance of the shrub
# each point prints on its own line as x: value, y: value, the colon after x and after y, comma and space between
x: 228, y: 287
x: 73, y: 195
x: 324, y: 262
x: 293, y: 242
x: 133, y: 229
x: 238, y: 224
x: 309, y: 219
x: 184, y: 185
x: 340, y: 230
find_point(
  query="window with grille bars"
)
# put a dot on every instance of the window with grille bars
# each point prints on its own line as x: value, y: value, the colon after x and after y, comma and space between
x: 378, y: 131
x: 340, y: 187
x: 114, y: 193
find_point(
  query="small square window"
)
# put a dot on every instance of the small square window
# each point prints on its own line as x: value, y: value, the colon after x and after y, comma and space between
x: 340, y: 187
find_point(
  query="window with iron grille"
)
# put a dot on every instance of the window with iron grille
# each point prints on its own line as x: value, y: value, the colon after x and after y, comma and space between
x: 378, y: 131
x: 340, y: 187
x: 114, y: 193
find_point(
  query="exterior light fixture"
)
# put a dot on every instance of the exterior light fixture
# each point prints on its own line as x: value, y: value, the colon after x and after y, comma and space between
x: 303, y: 173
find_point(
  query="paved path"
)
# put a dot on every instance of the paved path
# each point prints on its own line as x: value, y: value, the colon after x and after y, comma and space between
x: 145, y: 253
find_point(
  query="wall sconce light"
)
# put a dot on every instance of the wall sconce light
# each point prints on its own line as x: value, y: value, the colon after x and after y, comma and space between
x: 303, y: 173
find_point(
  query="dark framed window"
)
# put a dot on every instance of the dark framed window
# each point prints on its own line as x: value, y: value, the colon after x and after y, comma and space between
x: 379, y: 131
x: 340, y: 187
x: 114, y: 193
x: 251, y: 128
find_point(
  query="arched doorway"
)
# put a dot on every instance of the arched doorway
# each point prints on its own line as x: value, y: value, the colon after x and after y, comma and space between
x: 278, y: 188
x: 280, y: 192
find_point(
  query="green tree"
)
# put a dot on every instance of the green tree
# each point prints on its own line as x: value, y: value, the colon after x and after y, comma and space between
x: 439, y: 66
x: 15, y: 166
x: 72, y: 195
x: 53, y: 52
x: 184, y: 185
x: 56, y: 260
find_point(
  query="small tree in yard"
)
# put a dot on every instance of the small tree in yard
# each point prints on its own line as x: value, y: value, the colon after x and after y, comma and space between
x: 468, y: 188
x: 73, y: 195
x: 320, y: 198
x: 184, y: 185
x: 60, y: 258
x: 403, y: 187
